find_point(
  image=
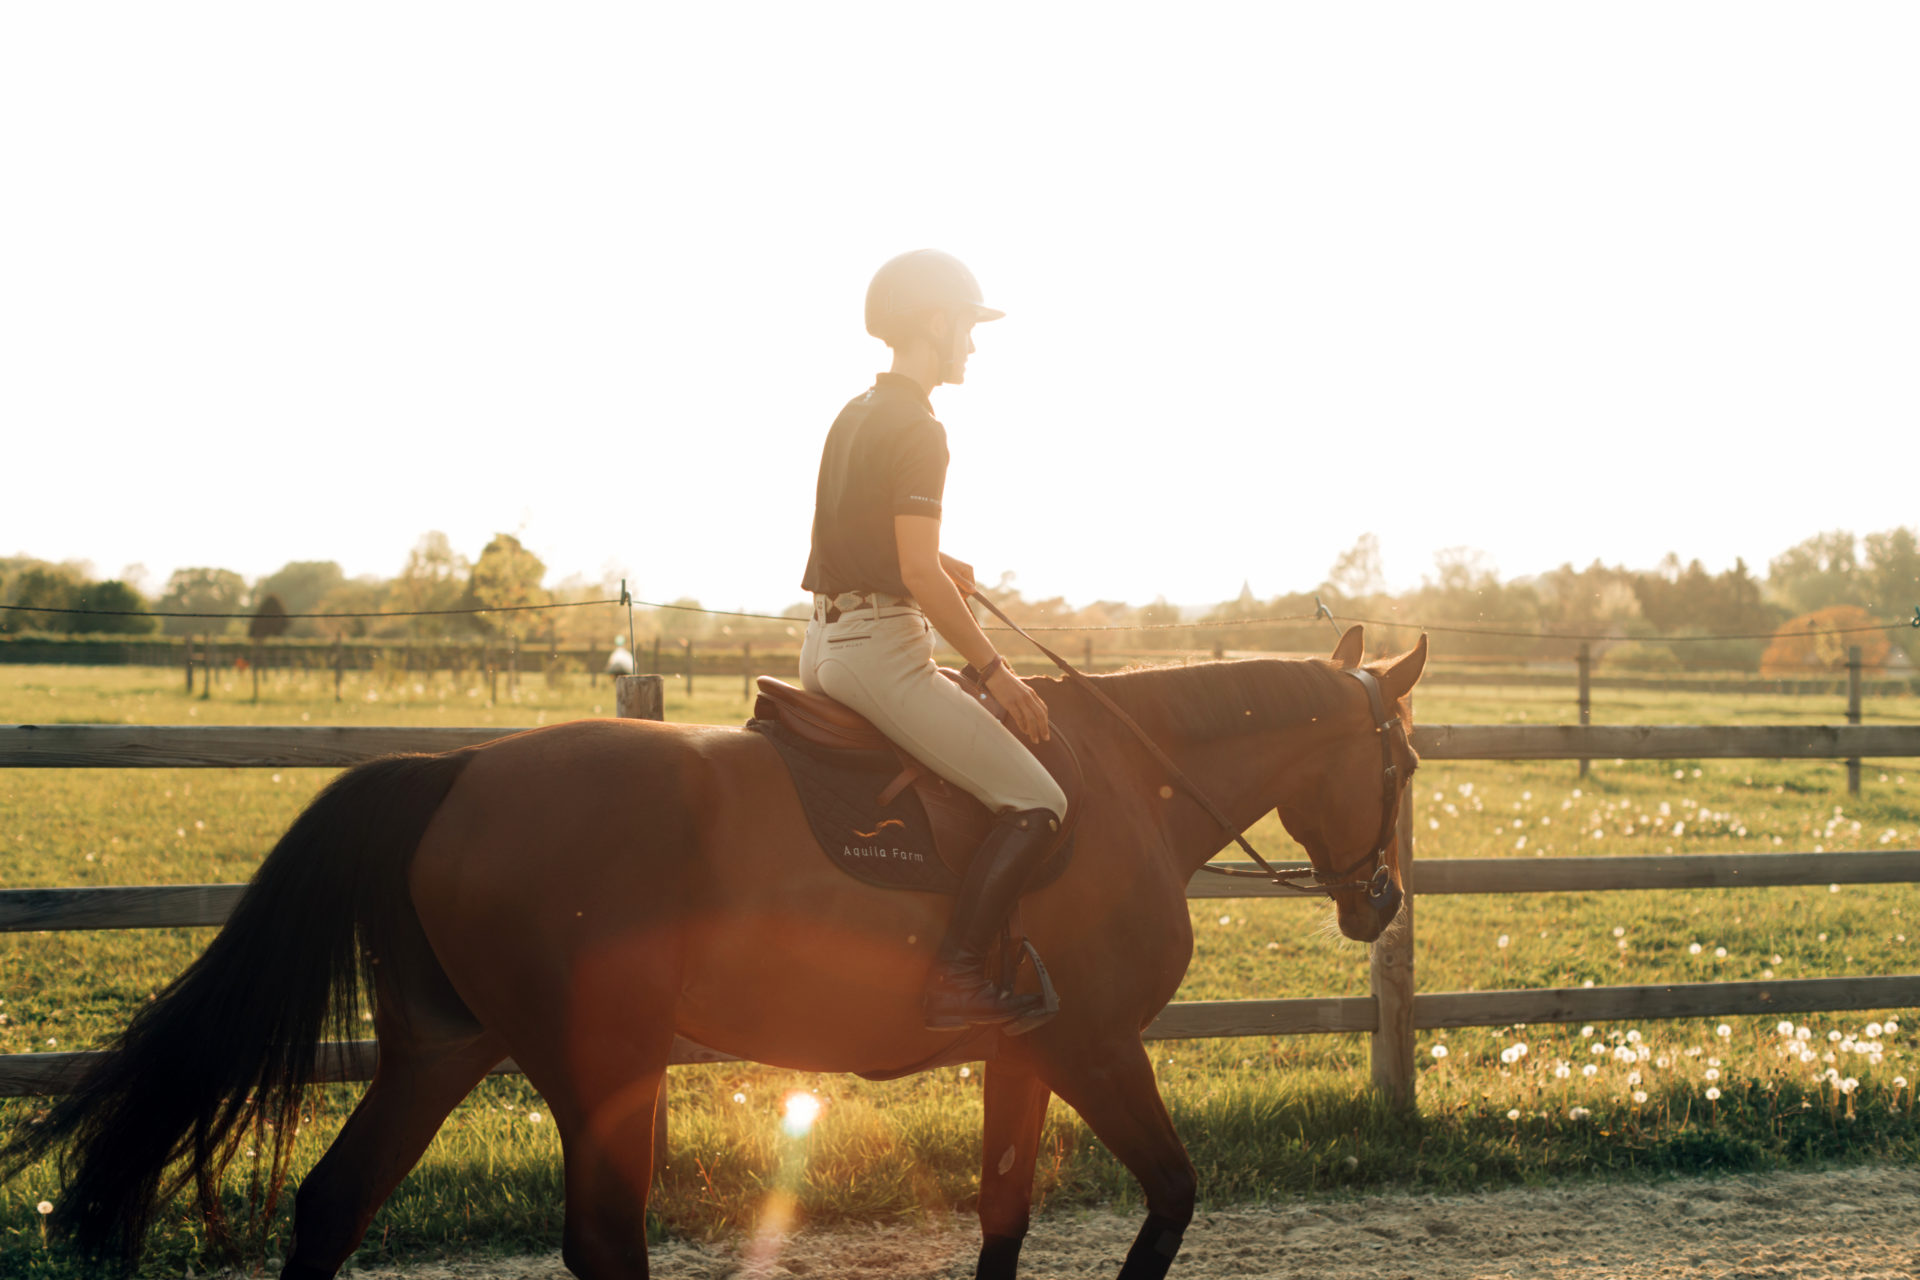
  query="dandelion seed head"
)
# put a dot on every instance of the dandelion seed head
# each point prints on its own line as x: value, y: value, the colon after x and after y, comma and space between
x: 1439, y: 1051
x: 1713, y: 1093
x: 1639, y: 1095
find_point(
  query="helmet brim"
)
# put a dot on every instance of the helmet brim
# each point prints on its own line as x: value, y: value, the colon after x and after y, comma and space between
x: 983, y: 314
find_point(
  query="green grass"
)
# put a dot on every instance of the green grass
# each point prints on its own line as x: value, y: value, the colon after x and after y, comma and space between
x: 1262, y: 1117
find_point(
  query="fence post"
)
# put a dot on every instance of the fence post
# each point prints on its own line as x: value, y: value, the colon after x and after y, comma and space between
x: 746, y: 669
x: 206, y: 667
x: 339, y: 666
x: 644, y: 698
x: 1853, y: 714
x: 639, y: 697
x: 689, y: 643
x: 656, y: 654
x: 186, y: 647
x: 1586, y: 694
x: 1391, y: 978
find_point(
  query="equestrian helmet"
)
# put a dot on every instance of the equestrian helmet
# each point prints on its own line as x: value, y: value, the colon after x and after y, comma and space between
x: 921, y: 281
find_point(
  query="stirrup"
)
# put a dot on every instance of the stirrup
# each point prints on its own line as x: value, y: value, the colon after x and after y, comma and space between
x: 1049, y: 998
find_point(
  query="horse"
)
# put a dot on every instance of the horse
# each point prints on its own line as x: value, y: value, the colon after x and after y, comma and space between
x: 576, y: 896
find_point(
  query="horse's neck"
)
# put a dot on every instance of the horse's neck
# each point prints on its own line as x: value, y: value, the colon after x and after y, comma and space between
x: 1239, y: 774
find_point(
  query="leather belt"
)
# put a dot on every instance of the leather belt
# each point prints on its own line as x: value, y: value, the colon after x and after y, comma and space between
x: 829, y: 608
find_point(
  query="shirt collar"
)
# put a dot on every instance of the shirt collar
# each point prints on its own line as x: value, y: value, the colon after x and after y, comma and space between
x: 901, y: 382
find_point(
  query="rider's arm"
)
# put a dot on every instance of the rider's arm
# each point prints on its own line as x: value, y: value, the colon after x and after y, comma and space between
x: 924, y: 574
x: 959, y: 570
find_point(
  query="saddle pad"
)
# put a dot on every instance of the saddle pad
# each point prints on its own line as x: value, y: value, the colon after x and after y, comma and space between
x: 839, y: 790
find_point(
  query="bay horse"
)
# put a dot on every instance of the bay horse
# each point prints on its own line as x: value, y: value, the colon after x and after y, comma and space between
x: 577, y: 895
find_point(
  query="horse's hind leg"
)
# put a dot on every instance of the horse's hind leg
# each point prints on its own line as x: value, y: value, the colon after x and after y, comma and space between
x: 1016, y: 1102
x: 601, y: 1074
x: 432, y: 1053
x: 1111, y: 1085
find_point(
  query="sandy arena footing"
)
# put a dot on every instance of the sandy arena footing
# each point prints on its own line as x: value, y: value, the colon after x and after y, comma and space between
x: 1860, y: 1224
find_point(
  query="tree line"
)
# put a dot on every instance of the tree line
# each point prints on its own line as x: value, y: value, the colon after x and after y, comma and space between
x: 1825, y: 583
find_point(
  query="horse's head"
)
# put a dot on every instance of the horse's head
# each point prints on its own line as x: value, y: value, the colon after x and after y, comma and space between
x: 1341, y: 806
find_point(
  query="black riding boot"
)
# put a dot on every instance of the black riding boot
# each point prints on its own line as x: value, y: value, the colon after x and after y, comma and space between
x: 958, y: 990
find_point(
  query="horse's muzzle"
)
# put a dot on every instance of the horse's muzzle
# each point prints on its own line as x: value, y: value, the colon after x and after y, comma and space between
x: 1383, y: 897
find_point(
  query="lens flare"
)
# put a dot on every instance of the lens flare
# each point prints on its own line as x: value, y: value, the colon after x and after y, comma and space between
x: 799, y: 1111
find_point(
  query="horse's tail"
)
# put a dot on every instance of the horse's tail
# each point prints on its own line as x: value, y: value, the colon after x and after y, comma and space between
x: 222, y: 1056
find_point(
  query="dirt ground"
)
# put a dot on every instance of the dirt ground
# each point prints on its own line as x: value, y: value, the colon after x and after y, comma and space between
x: 1861, y: 1224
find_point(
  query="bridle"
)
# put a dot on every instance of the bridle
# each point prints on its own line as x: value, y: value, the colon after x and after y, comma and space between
x: 1379, y: 885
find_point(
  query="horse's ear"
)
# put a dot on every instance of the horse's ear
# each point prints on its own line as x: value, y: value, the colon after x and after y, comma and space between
x: 1399, y: 678
x: 1347, y: 652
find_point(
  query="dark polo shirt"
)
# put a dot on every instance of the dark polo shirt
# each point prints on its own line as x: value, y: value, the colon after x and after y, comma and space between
x: 885, y: 456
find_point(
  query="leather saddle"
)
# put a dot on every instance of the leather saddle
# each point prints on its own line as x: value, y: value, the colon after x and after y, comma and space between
x: 958, y: 822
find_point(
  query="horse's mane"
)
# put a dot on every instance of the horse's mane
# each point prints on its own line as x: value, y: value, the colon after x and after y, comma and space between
x: 1221, y: 699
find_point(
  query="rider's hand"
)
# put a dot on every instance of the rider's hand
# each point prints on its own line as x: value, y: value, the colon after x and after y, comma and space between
x: 1024, y: 707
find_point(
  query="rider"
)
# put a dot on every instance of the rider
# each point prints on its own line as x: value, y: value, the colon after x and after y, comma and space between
x: 881, y: 588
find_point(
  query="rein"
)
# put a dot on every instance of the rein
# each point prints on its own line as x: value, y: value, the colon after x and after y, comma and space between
x: 1287, y: 875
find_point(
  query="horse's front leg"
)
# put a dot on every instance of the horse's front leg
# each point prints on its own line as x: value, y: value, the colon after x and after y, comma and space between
x: 1111, y: 1085
x: 1016, y: 1101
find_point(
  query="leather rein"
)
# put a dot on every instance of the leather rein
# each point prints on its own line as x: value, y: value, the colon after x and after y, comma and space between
x: 1288, y: 875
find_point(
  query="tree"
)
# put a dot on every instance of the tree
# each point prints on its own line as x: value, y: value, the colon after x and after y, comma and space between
x: 1893, y: 580
x: 1817, y: 643
x: 301, y: 586
x: 42, y: 587
x: 1818, y: 573
x: 269, y: 620
x: 202, y: 591
x: 506, y: 576
x: 365, y: 594
x: 115, y: 596
x: 1594, y: 600
x: 433, y: 578
x: 1356, y: 571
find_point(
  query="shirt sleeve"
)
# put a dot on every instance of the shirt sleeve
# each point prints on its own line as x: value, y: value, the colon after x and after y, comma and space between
x: 920, y: 470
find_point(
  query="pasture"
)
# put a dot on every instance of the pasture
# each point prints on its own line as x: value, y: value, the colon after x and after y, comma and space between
x: 1263, y: 1118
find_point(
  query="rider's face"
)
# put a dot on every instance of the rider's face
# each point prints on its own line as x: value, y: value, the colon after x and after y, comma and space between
x: 959, y: 347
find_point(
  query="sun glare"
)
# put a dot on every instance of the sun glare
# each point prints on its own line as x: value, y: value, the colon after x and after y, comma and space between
x: 799, y: 1111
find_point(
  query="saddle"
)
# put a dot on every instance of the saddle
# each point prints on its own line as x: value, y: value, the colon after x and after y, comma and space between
x: 879, y: 814
x: 884, y: 818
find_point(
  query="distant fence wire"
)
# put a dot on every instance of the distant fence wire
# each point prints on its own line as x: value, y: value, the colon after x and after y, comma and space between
x: 1281, y: 620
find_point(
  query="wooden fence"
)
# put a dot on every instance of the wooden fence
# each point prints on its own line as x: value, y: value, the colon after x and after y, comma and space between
x: 1392, y: 1013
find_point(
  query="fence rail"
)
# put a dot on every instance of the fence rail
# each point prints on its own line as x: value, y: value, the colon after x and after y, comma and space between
x: 1392, y: 1013
x: 112, y: 746
x: 188, y: 906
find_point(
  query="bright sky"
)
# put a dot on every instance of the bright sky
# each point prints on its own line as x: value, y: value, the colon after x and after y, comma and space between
x: 1553, y: 281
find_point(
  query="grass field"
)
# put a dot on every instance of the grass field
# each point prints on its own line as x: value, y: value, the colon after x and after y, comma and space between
x: 1263, y: 1118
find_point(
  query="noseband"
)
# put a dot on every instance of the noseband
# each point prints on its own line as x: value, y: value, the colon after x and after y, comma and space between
x: 1379, y: 882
